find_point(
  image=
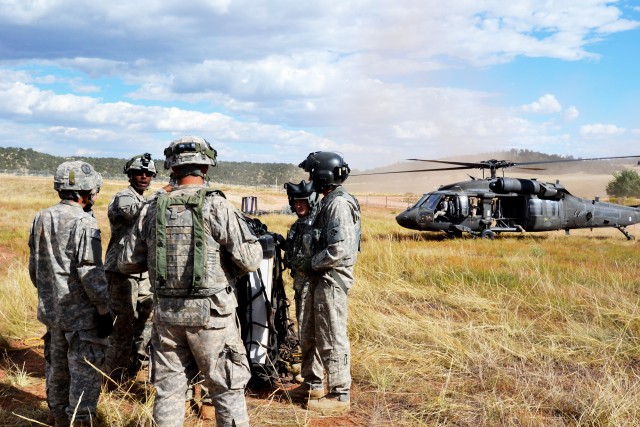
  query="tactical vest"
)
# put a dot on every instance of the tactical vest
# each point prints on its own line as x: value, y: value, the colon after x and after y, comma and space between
x: 182, y: 242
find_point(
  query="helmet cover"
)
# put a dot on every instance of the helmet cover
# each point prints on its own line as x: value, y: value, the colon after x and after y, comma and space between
x: 76, y: 176
x: 143, y: 162
x: 189, y: 150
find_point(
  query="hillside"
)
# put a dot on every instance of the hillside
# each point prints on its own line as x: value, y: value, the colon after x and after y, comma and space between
x: 582, y: 178
x: 30, y: 162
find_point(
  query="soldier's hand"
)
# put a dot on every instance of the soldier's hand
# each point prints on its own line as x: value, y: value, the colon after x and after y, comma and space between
x: 104, y: 325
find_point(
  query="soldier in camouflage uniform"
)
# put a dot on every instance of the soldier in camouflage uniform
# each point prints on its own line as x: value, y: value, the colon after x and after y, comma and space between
x: 335, y: 244
x: 65, y: 265
x: 131, y: 297
x: 194, y: 244
x: 303, y: 201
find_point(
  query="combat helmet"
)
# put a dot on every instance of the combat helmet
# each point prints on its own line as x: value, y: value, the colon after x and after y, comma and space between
x: 326, y: 169
x: 142, y: 162
x: 303, y: 191
x: 189, y: 150
x: 76, y: 176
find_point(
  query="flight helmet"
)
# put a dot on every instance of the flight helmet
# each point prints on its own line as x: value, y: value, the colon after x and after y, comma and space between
x: 326, y: 169
x: 302, y: 191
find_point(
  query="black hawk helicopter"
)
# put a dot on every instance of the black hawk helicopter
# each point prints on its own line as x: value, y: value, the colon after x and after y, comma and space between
x: 485, y: 207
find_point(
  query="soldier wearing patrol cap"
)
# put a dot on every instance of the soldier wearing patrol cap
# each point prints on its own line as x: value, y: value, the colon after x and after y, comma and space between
x: 131, y: 297
x: 65, y: 265
x: 194, y: 244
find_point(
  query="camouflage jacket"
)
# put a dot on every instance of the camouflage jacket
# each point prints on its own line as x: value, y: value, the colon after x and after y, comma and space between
x: 124, y: 208
x: 231, y: 249
x: 65, y: 265
x: 336, y: 237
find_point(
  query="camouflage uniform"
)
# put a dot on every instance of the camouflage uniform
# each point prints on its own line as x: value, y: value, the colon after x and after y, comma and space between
x: 65, y: 264
x: 188, y: 327
x: 336, y: 237
x: 298, y: 248
x: 131, y: 297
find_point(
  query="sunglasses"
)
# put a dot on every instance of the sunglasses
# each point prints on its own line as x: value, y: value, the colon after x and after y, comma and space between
x: 143, y: 172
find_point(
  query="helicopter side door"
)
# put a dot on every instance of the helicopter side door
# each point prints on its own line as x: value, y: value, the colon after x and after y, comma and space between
x: 544, y: 215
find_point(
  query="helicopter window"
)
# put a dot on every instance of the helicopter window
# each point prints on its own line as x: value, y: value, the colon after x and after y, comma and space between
x: 464, y: 205
x: 428, y: 201
x: 432, y: 201
x: 420, y: 201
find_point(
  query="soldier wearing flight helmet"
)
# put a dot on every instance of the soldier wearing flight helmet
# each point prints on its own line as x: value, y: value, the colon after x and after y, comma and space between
x: 304, y: 202
x: 335, y: 245
x: 194, y: 244
x: 65, y: 265
x: 131, y: 297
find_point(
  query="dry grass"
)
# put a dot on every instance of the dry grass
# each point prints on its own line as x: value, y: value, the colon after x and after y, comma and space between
x: 533, y: 330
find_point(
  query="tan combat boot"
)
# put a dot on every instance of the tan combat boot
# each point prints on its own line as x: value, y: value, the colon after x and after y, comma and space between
x: 304, y: 391
x: 329, y: 405
x: 207, y: 412
x: 190, y: 407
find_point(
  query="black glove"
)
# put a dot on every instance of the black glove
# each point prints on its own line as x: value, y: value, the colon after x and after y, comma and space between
x: 105, y: 325
x: 268, y: 245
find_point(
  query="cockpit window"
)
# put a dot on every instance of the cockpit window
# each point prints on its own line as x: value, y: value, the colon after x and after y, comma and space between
x: 428, y: 201
x: 420, y: 201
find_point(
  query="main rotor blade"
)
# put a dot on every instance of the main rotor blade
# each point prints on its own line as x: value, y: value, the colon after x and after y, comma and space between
x: 409, y: 171
x: 470, y: 165
x: 574, y: 160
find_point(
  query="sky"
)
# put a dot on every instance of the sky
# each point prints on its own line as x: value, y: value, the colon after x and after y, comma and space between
x: 379, y: 81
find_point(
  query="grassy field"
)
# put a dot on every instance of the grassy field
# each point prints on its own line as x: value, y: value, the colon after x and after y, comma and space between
x: 531, y: 330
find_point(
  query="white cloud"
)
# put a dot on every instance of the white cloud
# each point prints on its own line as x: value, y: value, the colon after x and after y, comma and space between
x: 571, y: 113
x: 600, y: 130
x: 546, y: 104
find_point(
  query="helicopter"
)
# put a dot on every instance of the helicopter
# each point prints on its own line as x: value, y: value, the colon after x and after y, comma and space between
x: 489, y: 206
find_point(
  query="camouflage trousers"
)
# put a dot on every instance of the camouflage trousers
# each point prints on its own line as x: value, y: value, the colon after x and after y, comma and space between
x: 324, y: 329
x: 220, y: 355
x: 73, y: 385
x: 131, y: 303
x: 310, y: 358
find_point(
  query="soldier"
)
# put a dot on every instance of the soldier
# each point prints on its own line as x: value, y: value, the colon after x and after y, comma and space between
x: 65, y: 265
x: 336, y: 241
x: 194, y: 244
x: 131, y: 298
x: 303, y: 201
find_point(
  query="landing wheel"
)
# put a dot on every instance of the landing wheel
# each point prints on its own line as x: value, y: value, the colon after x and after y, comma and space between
x: 487, y: 234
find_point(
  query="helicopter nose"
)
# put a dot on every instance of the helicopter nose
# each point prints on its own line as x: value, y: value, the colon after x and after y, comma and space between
x: 407, y: 220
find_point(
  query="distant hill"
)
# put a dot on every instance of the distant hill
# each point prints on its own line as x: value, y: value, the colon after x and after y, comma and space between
x: 21, y: 161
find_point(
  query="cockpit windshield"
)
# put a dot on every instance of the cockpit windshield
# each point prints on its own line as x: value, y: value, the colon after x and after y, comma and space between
x: 428, y: 201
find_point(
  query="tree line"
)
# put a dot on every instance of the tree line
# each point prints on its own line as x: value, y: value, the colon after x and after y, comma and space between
x: 26, y: 161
